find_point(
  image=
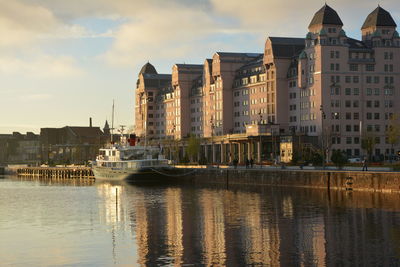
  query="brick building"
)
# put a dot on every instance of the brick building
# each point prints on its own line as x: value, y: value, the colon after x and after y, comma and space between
x: 327, y: 88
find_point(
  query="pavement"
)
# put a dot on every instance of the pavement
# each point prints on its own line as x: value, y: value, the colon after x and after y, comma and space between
x: 288, y: 168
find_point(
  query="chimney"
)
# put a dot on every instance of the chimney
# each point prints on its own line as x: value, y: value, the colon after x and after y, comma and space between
x: 90, y: 122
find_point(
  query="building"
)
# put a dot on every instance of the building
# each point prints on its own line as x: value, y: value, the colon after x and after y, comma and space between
x: 17, y: 148
x: 345, y: 89
x: 324, y: 92
x: 151, y: 87
x: 71, y: 144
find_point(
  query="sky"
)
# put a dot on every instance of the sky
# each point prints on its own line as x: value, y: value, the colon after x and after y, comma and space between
x: 63, y: 61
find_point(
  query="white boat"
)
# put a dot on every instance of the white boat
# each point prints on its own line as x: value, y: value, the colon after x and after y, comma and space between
x: 124, y: 161
x: 128, y: 160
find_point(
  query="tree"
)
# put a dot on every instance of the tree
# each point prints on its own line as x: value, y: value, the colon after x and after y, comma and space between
x: 393, y: 133
x: 338, y: 158
x: 317, y: 159
x: 368, y: 143
x: 193, y: 147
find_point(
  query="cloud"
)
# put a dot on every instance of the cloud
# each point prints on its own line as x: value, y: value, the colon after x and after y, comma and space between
x: 160, y: 34
x: 41, y: 66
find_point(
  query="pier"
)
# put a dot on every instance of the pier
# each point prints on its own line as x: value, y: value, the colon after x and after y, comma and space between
x: 57, y: 172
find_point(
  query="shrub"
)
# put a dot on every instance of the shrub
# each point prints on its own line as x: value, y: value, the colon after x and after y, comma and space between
x: 338, y: 158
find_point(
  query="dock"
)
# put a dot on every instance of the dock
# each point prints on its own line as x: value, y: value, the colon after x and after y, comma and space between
x: 57, y: 172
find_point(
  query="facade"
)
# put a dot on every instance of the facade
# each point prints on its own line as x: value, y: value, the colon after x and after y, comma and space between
x: 324, y: 92
x: 17, y: 148
x: 346, y: 87
x: 71, y: 144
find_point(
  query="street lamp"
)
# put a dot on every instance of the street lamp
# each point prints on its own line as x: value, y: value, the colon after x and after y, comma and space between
x: 322, y: 135
x: 212, y: 138
x: 259, y: 133
x: 173, y: 137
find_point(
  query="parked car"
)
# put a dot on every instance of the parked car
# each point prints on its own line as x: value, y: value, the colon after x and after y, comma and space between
x: 355, y: 160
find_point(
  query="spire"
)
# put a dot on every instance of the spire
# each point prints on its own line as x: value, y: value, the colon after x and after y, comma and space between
x: 106, y: 128
x: 326, y: 16
x: 379, y: 17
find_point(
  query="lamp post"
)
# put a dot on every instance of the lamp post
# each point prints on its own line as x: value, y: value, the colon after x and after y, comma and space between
x: 173, y: 138
x: 259, y: 133
x: 322, y: 135
x: 212, y: 138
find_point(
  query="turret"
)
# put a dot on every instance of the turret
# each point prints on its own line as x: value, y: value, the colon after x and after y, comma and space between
x: 326, y: 26
x: 378, y: 27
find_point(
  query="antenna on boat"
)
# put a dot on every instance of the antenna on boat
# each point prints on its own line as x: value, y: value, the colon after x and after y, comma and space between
x: 112, y: 122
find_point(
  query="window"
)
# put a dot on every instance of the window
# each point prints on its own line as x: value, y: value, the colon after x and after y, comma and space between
x: 376, y: 91
x: 348, y: 79
x: 376, y: 116
x: 356, y: 116
x: 353, y: 67
x: 348, y: 128
x: 376, y: 79
x: 356, y: 79
x: 348, y: 103
x: 368, y: 79
x: 356, y: 91
x: 370, y: 67
x: 348, y: 91
x: 348, y: 115
x: 356, y: 104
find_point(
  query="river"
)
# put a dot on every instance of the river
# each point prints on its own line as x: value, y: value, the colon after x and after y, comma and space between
x: 86, y: 223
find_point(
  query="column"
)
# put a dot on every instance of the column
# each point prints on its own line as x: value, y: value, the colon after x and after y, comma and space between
x: 240, y: 153
x: 259, y: 151
x: 223, y: 153
x: 231, y: 153
x: 249, y: 155
x: 214, y: 156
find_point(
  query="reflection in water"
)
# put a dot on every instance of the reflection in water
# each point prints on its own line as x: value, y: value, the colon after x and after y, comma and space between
x: 281, y: 227
x: 117, y: 223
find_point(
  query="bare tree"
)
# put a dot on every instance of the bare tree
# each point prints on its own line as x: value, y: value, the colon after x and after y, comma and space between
x: 368, y: 143
x: 393, y: 133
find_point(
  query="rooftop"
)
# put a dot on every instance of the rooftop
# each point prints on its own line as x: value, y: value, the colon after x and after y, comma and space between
x: 379, y: 17
x: 326, y: 16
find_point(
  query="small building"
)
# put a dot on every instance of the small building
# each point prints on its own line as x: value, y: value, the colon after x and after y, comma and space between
x: 71, y: 144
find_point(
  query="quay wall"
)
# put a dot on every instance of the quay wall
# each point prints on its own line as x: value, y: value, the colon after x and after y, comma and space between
x: 340, y: 180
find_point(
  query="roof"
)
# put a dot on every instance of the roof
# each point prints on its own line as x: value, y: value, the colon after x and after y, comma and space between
x: 326, y: 15
x: 254, y: 63
x: 148, y: 68
x: 379, y: 17
x: 156, y: 80
x: 285, y: 47
x: 234, y: 54
x: 356, y: 44
x: 85, y: 131
x: 190, y: 66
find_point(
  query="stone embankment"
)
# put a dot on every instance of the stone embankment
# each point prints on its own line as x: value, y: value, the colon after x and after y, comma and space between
x: 375, y: 181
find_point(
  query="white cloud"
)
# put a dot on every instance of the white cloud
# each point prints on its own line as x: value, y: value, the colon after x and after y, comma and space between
x: 41, y: 66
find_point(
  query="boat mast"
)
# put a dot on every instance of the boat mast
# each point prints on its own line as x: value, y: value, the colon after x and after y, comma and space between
x: 112, y: 122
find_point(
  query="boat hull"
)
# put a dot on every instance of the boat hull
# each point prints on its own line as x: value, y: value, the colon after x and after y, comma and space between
x: 142, y: 174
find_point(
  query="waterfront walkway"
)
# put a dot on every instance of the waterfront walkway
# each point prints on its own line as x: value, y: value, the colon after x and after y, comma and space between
x: 292, y: 168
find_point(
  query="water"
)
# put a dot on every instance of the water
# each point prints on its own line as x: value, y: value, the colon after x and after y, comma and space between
x: 48, y: 223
